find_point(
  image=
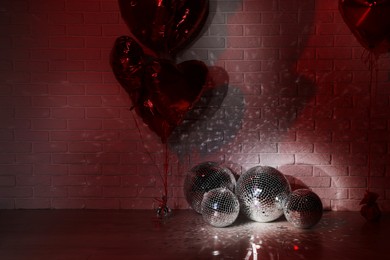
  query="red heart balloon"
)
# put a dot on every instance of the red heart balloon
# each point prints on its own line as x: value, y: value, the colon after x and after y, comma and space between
x: 369, y: 20
x: 127, y: 60
x: 161, y: 91
x: 164, y: 26
x: 174, y: 89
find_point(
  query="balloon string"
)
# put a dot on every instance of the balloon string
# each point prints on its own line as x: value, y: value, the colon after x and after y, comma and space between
x: 150, y: 155
x: 166, y: 168
x: 371, y: 60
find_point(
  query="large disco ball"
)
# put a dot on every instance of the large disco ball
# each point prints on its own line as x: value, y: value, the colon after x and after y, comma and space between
x: 262, y: 191
x: 303, y: 208
x: 220, y: 207
x: 203, y: 178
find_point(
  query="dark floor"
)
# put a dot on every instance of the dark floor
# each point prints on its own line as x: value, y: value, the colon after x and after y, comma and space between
x: 92, y: 235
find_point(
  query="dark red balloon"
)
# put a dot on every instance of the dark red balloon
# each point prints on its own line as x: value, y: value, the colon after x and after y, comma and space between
x: 369, y: 20
x: 161, y: 92
x: 164, y: 26
x: 127, y: 60
x: 174, y: 89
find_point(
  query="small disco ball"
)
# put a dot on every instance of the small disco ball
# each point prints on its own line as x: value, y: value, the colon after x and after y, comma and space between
x: 303, y: 208
x: 262, y: 191
x: 203, y: 178
x: 220, y: 207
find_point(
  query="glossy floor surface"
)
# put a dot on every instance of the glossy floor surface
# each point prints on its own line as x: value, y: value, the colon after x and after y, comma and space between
x: 92, y: 235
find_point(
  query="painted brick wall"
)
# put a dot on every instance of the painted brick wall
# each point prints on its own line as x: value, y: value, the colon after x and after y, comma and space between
x: 299, y: 99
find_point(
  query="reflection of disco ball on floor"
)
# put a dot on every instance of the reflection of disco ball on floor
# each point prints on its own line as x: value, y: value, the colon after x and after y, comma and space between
x: 261, y: 192
x: 303, y: 208
x: 203, y: 178
x: 220, y: 207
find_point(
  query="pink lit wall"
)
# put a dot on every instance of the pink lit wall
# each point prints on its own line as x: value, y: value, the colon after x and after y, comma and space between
x: 299, y: 99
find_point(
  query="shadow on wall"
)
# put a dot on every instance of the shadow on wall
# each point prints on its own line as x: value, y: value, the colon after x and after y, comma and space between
x: 206, y: 126
x: 217, y: 117
x: 285, y: 89
x: 266, y: 92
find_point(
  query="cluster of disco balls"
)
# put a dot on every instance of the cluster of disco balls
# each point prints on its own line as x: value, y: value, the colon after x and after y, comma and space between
x: 262, y: 193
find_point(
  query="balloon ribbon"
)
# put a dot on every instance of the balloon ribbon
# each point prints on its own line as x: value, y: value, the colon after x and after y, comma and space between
x: 370, y: 209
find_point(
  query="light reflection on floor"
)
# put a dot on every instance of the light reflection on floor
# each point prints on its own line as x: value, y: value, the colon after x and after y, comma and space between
x: 92, y: 235
x: 339, y: 235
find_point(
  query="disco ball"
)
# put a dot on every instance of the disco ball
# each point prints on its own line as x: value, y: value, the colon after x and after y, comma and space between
x: 220, y: 207
x: 303, y: 208
x: 261, y: 191
x: 203, y: 178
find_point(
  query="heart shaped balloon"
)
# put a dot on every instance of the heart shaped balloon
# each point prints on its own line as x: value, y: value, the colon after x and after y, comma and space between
x: 161, y: 91
x: 164, y: 26
x: 173, y: 89
x: 369, y: 20
x: 127, y: 60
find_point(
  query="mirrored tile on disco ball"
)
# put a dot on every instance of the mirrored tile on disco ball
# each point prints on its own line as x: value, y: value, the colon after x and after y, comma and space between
x: 220, y: 207
x: 261, y: 192
x: 303, y: 208
x: 203, y: 178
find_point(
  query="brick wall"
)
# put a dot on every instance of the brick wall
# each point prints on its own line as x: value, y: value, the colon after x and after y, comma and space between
x: 299, y: 99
